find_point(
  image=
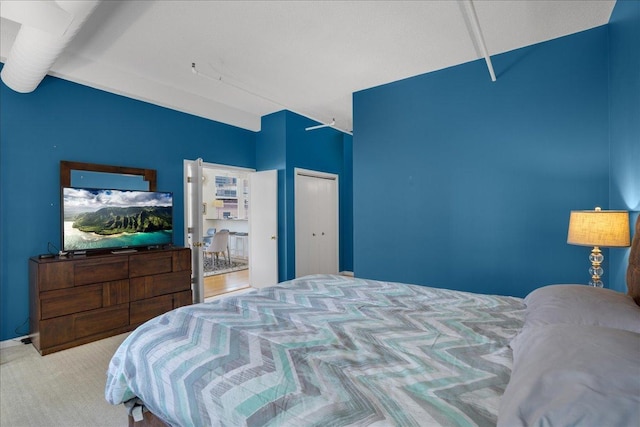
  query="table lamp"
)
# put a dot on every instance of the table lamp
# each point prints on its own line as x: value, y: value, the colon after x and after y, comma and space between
x: 598, y: 228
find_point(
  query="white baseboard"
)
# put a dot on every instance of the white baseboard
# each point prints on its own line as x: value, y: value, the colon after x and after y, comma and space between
x: 236, y: 292
x: 12, y: 342
x: 346, y: 273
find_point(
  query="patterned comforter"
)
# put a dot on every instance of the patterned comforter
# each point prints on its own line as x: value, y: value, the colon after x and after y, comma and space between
x: 323, y: 351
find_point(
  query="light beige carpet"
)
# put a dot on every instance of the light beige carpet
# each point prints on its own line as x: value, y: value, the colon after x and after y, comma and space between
x: 61, y: 389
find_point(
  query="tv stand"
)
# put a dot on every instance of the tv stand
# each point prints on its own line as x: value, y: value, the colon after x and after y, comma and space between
x: 77, y: 301
x: 124, y: 251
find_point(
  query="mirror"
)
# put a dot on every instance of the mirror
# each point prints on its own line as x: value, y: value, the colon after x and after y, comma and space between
x: 93, y: 175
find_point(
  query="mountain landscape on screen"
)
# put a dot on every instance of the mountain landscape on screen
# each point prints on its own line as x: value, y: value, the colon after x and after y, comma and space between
x: 108, y: 221
x: 108, y: 218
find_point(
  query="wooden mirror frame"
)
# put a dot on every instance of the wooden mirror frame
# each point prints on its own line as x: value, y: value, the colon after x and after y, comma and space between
x: 66, y: 167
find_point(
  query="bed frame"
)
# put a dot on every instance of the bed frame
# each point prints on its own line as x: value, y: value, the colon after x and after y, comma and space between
x: 148, y: 420
x: 633, y: 270
x: 633, y: 289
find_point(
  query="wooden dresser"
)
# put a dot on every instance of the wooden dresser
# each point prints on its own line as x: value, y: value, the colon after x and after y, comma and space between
x: 77, y: 300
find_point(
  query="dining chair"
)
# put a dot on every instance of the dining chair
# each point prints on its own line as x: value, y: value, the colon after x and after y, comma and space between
x: 219, y: 244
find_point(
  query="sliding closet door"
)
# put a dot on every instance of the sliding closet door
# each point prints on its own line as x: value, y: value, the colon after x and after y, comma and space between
x: 316, y: 218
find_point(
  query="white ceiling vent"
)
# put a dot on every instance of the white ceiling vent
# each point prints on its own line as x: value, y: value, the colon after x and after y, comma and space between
x: 46, y: 29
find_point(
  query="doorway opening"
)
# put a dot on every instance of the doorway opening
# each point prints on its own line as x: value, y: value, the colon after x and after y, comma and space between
x: 225, y: 220
x: 225, y: 239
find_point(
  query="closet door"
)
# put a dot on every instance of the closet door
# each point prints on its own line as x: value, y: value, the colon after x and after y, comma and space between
x: 327, y: 226
x: 316, y: 219
x: 305, y: 224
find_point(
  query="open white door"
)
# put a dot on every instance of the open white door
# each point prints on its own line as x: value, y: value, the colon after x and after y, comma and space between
x: 193, y: 224
x: 263, y: 228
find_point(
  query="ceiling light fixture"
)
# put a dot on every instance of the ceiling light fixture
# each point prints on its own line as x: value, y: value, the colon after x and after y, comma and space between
x: 326, y: 125
x: 219, y: 79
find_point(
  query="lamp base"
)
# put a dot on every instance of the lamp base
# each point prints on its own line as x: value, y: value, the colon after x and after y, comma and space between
x: 596, y: 270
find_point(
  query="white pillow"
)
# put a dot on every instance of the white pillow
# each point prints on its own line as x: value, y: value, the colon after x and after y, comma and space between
x: 583, y: 305
x: 573, y: 375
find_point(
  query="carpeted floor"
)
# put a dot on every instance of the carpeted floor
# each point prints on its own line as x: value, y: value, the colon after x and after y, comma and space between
x: 213, y: 266
x: 61, y: 389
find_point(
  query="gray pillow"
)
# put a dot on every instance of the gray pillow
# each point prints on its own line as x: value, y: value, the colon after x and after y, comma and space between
x: 569, y: 375
x: 581, y: 304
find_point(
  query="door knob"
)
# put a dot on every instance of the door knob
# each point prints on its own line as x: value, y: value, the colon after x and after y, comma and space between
x: 273, y: 237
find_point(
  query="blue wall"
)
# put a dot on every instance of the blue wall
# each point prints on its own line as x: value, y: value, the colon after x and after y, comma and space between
x: 66, y: 121
x: 457, y: 182
x: 284, y: 144
x: 462, y: 183
x: 624, y: 122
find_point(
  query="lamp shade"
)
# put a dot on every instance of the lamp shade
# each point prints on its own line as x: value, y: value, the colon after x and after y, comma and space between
x: 599, y: 228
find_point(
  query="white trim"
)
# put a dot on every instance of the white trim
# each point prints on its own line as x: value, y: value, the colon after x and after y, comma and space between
x: 317, y: 174
x: 185, y: 213
x: 228, y: 167
x: 346, y: 273
x: 199, y: 282
x: 232, y: 293
x: 192, y: 213
x: 13, y: 342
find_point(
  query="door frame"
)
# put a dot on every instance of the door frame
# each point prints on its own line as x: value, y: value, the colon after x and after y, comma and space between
x: 321, y: 175
x: 199, y: 281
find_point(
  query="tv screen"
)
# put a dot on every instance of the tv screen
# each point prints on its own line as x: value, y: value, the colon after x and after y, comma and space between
x: 101, y: 219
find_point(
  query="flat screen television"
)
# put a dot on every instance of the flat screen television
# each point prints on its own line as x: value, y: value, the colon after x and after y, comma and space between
x: 107, y: 219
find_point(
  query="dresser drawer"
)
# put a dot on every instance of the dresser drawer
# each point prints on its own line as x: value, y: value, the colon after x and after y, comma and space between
x: 63, y: 329
x: 67, y: 301
x: 141, y: 311
x: 105, y: 319
x: 183, y: 298
x: 100, y: 270
x: 146, y: 263
x: 160, y: 284
x: 182, y: 260
x: 83, y: 298
x: 54, y: 275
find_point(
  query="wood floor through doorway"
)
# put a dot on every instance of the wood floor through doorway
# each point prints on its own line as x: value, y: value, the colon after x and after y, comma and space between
x: 223, y: 283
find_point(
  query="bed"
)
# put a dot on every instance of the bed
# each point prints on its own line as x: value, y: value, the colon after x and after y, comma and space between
x: 337, y: 351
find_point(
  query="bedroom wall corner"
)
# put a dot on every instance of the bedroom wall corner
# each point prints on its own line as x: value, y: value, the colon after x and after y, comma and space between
x: 624, y: 124
x: 319, y: 150
x: 271, y: 154
x: 284, y: 144
x: 346, y: 210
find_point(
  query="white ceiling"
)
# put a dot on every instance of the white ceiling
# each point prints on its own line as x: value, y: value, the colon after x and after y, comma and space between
x: 258, y: 57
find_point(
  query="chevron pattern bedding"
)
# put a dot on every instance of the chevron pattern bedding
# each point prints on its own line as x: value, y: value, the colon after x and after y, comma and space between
x: 323, y: 350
